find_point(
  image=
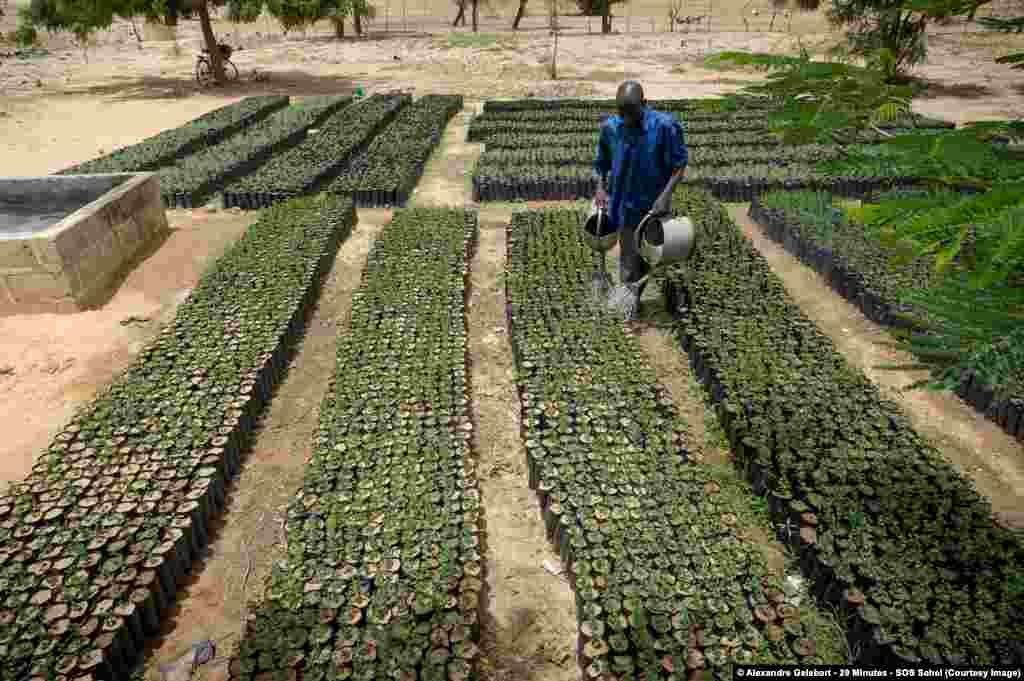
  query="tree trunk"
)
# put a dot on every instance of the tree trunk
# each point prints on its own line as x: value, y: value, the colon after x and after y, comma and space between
x: 339, y: 27
x: 173, y: 10
x: 357, y: 21
x: 216, y: 63
x: 519, y: 15
x: 461, y: 15
x: 475, y: 14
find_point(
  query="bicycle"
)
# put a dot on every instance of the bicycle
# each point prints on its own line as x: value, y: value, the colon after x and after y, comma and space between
x: 204, y: 68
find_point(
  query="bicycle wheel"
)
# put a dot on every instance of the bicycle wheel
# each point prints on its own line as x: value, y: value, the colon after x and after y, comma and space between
x: 204, y: 72
x: 230, y: 70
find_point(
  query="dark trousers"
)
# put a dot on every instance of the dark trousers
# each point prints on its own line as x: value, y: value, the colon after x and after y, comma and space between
x: 631, y: 265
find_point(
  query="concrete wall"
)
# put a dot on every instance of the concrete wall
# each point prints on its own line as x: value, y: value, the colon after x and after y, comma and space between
x: 71, y: 265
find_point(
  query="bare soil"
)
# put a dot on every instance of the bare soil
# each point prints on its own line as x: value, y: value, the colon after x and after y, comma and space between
x: 531, y: 618
x: 977, y: 447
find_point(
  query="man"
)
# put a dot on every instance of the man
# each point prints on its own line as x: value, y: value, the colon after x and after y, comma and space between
x: 645, y: 153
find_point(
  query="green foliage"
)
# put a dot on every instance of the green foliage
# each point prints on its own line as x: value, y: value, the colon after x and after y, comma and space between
x: 898, y: 28
x: 955, y: 157
x: 244, y: 11
x: 762, y: 60
x: 971, y: 310
x: 295, y: 14
x: 300, y: 14
x: 873, y: 26
x: 818, y: 99
x: 813, y: 209
x: 950, y: 258
x: 25, y: 35
x: 992, y: 221
x: 971, y: 328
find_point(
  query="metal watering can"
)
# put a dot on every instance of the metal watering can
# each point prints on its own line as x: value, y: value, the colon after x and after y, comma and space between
x: 598, y: 232
x: 659, y: 242
x: 600, y: 236
x: 663, y: 242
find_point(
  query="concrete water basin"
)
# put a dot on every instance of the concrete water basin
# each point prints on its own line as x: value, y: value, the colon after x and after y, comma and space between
x: 64, y: 238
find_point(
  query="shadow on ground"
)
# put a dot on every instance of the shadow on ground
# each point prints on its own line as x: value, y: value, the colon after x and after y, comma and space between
x: 932, y: 89
x: 391, y: 34
x: 297, y: 83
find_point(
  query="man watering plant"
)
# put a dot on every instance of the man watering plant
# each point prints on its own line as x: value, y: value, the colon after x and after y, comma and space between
x: 645, y: 153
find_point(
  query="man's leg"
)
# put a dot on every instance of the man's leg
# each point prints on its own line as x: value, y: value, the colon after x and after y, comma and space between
x: 631, y: 265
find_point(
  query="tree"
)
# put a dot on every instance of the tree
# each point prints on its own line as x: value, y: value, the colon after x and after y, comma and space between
x: 461, y: 16
x: 520, y: 13
x: 602, y: 8
x: 82, y: 18
x: 971, y: 317
x: 823, y: 100
x: 898, y: 26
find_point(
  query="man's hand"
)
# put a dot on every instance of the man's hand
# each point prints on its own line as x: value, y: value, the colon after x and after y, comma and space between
x: 663, y: 205
x: 601, y: 198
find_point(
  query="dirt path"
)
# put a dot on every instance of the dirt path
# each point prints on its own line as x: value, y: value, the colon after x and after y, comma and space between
x: 247, y: 539
x: 969, y: 441
x: 707, y: 445
x: 529, y: 631
x: 447, y: 179
x: 56, y: 363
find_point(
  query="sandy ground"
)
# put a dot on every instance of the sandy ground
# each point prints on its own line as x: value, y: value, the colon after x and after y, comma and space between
x: 977, y: 447
x: 531, y: 613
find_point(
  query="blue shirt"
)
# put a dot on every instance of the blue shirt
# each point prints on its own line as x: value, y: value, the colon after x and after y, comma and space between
x: 641, y: 162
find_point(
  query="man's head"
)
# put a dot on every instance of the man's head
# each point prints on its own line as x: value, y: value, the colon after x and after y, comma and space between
x: 630, y: 102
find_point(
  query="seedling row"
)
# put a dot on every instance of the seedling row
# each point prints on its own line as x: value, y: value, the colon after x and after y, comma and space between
x: 177, y: 143
x: 889, y: 531
x: 116, y: 510
x: 665, y: 585
x: 383, y: 572
x: 736, y: 183
x: 194, y: 179
x: 386, y: 172
x: 306, y: 168
x: 860, y: 269
x: 260, y: 151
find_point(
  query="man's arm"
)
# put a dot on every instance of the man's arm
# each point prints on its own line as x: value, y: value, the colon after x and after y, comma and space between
x: 603, y: 164
x: 677, y: 156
